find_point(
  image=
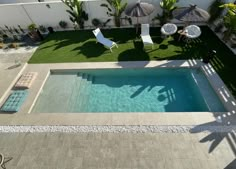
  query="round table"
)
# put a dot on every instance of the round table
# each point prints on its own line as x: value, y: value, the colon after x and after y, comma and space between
x: 192, y: 31
x: 168, y: 29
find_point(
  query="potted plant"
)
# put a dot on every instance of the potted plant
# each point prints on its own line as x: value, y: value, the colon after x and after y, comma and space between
x: 77, y: 14
x: 32, y: 27
x: 22, y: 30
x: 1, y: 41
x: 34, y: 33
x: 14, y: 45
x: 115, y: 8
x: 1, y: 45
x: 167, y: 7
x: 63, y: 24
x: 42, y: 29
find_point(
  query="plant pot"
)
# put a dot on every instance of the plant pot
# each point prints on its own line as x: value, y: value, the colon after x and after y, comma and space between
x: 34, y: 35
x: 117, y: 21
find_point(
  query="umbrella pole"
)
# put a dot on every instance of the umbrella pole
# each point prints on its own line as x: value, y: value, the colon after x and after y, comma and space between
x: 137, y: 27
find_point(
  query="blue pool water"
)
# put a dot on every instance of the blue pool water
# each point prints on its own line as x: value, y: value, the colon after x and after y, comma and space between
x: 128, y: 90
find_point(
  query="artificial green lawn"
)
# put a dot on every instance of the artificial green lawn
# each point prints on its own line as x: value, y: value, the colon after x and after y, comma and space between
x: 81, y: 46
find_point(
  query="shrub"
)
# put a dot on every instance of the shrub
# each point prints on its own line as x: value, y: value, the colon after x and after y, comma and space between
x: 1, y: 45
x: 32, y: 27
x: 63, y: 24
x: 42, y: 29
x: 14, y: 45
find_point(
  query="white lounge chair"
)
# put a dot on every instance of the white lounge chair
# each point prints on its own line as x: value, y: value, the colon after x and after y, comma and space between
x: 101, y: 39
x: 147, y: 40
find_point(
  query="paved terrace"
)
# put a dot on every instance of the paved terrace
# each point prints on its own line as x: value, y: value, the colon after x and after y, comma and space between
x: 11, y: 67
x: 187, y: 150
x: 118, y: 150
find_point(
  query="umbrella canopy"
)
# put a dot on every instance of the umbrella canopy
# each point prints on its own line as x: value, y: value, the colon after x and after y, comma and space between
x: 139, y: 9
x: 191, y: 14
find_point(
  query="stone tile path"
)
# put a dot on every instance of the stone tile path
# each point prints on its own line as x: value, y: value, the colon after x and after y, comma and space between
x: 121, y: 151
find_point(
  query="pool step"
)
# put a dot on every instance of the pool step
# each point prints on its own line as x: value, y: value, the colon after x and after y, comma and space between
x: 86, y: 95
x: 82, y: 92
x: 74, y: 94
x: 86, y: 76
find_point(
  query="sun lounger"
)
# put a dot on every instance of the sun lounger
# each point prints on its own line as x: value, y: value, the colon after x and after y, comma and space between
x: 101, y: 39
x: 26, y: 80
x: 14, y: 101
x: 146, y: 38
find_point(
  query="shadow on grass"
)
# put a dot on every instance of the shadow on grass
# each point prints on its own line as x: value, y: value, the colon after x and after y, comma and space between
x: 192, y: 50
x: 91, y: 49
x: 115, y: 34
x: 135, y: 54
x: 163, y: 46
x: 59, y: 40
x: 157, y: 39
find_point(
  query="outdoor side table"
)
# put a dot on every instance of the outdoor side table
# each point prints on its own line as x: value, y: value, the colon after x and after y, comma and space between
x: 168, y: 29
x: 192, y: 32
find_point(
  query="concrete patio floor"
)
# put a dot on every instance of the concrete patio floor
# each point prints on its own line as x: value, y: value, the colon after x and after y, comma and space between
x: 11, y: 65
x: 119, y: 150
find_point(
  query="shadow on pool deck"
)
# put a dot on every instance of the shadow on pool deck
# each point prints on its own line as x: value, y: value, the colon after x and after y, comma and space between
x: 216, y: 138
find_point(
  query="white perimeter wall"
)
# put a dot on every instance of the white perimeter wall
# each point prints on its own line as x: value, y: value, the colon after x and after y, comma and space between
x: 24, y: 14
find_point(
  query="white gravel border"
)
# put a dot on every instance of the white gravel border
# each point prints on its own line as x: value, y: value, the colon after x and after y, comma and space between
x: 116, y: 129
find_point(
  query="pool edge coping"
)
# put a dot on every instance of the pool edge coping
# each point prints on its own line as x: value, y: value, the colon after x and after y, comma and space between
x: 136, y: 64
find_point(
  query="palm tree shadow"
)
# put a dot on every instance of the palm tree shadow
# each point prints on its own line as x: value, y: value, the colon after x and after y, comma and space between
x: 140, y: 90
x: 216, y: 137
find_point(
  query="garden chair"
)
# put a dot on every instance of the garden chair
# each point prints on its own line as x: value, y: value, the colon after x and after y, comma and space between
x: 101, y: 39
x: 146, y: 38
x: 4, y: 160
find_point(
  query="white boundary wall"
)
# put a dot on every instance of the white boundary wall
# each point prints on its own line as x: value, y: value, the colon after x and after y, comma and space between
x: 24, y: 14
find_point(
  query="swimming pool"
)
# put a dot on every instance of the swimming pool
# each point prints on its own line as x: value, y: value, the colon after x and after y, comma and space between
x: 127, y: 90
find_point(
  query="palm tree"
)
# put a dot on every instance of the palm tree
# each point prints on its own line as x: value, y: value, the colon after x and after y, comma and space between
x: 115, y: 8
x: 167, y: 7
x: 229, y: 20
x: 77, y: 14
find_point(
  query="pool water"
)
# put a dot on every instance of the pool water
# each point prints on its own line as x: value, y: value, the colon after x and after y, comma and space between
x: 128, y: 90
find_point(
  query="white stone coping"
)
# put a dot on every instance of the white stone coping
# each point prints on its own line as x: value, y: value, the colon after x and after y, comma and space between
x: 171, y: 118
x: 117, y: 129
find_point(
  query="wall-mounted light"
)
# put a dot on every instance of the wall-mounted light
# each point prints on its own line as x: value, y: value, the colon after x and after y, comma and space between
x: 47, y: 5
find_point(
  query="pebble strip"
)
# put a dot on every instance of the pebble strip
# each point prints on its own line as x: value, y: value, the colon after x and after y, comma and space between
x: 116, y: 129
